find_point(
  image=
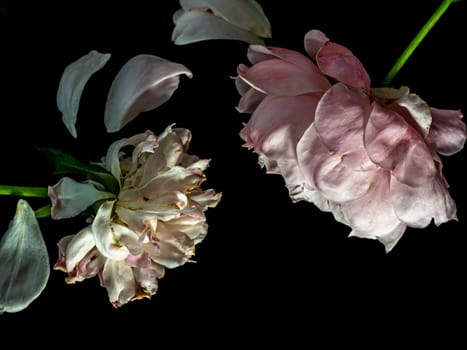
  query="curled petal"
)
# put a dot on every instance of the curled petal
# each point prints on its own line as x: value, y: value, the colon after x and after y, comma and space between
x: 337, y: 61
x: 394, y: 145
x: 74, y: 79
x: 194, y: 26
x: 69, y: 197
x: 118, y: 279
x: 174, y: 248
x: 78, y: 247
x: 416, y: 206
x: 372, y: 215
x: 142, y: 84
x: 106, y: 241
x: 419, y: 111
x: 313, y: 42
x: 447, y: 133
x: 147, y: 277
x: 24, y: 261
x: 220, y: 19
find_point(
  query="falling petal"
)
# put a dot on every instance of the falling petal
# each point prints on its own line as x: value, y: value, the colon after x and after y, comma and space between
x: 24, y: 261
x: 74, y: 78
x: 142, y: 84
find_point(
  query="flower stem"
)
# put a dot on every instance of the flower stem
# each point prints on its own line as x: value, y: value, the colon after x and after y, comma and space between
x: 416, y: 41
x: 23, y: 191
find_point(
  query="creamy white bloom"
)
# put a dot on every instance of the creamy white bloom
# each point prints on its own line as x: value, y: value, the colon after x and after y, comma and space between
x: 153, y: 223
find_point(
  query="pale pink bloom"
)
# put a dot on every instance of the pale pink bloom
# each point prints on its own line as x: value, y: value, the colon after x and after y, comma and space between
x: 142, y: 84
x: 369, y: 156
x: 153, y: 223
x: 199, y: 20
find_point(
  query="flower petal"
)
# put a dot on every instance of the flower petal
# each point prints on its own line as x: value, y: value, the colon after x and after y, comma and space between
x: 340, y: 117
x: 394, y: 145
x: 278, y: 77
x: 416, y: 206
x: 193, y: 26
x: 119, y: 280
x: 142, y: 84
x: 447, y: 133
x: 69, y: 197
x: 74, y: 78
x: 24, y: 261
x: 106, y: 241
x: 337, y: 61
x: 78, y: 247
x: 419, y: 111
x: 372, y: 215
x: 245, y: 14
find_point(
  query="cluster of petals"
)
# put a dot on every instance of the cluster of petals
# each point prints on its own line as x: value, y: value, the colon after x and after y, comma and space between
x: 153, y: 223
x: 371, y: 156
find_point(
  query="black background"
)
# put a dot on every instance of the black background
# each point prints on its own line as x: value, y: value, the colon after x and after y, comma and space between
x: 269, y: 270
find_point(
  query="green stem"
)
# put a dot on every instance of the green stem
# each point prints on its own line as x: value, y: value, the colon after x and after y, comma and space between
x: 23, y: 191
x: 416, y: 41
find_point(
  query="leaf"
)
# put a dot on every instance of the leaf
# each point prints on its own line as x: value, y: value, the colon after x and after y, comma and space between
x: 68, y: 164
x: 24, y: 261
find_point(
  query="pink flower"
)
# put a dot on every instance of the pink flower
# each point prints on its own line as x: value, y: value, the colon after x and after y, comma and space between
x: 153, y: 223
x: 369, y: 156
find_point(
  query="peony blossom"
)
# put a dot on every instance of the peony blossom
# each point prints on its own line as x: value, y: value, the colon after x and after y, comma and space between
x: 371, y: 156
x: 199, y: 20
x: 152, y: 223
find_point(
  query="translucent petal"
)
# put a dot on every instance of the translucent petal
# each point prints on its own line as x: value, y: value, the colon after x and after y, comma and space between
x: 24, y: 261
x: 74, y: 78
x: 142, y: 84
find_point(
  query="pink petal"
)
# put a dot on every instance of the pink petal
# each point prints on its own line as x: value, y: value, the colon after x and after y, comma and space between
x: 313, y: 42
x: 142, y: 84
x: 340, y: 117
x: 338, y: 178
x: 193, y: 26
x: 259, y: 53
x: 72, y: 83
x: 416, y: 206
x: 372, y: 215
x: 282, y: 78
x: 250, y: 100
x: 245, y: 14
x: 394, y: 145
x: 447, y: 133
x: 340, y: 63
x: 419, y: 111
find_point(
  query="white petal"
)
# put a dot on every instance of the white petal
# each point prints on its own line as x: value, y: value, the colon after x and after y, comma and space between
x: 118, y: 279
x: 69, y: 197
x: 24, y: 261
x: 194, y: 26
x: 106, y: 241
x: 245, y: 14
x: 142, y: 84
x: 78, y: 247
x: 74, y: 78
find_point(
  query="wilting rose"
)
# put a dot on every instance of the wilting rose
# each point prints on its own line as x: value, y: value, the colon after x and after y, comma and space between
x: 152, y: 223
x: 199, y: 20
x: 369, y: 156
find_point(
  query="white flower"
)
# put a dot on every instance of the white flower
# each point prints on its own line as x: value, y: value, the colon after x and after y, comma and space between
x: 153, y: 223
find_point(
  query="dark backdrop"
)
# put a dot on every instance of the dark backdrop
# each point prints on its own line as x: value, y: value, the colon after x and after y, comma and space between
x: 269, y: 270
